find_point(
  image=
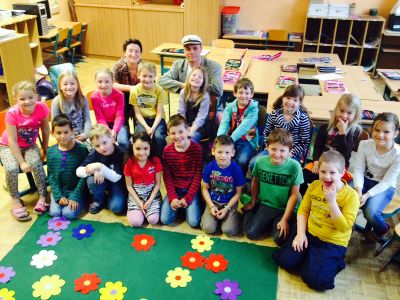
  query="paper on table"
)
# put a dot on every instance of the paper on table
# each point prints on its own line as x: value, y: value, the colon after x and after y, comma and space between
x: 329, y: 76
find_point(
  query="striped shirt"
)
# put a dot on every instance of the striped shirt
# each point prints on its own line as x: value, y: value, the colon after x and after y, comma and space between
x: 299, y: 127
x: 182, y: 170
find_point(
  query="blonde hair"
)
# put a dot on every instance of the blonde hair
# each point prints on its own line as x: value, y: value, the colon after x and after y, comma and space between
x: 149, y: 66
x: 351, y: 101
x: 78, y: 98
x: 24, y: 85
x: 203, y: 88
x: 333, y: 157
x: 99, y: 130
x: 104, y: 70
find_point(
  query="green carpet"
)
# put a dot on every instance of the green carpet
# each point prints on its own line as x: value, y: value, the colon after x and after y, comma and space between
x: 108, y: 252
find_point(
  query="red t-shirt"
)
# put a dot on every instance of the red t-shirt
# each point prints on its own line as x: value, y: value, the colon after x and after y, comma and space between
x: 145, y: 175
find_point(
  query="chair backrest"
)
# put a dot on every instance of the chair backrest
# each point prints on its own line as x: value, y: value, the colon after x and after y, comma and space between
x: 278, y: 35
x: 55, y: 72
x: 2, y: 121
x: 62, y: 35
x: 223, y: 43
x: 89, y: 100
x: 76, y: 34
x: 262, y: 117
x: 361, y: 137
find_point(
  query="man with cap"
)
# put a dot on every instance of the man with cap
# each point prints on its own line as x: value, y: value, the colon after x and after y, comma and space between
x: 174, y: 79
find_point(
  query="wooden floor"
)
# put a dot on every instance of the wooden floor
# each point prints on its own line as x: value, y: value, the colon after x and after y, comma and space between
x: 360, y: 280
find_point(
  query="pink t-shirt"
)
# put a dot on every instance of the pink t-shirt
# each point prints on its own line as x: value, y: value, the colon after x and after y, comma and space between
x: 27, y: 127
x: 109, y: 109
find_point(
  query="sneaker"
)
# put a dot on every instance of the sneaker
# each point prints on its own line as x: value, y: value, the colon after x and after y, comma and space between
x: 95, y: 208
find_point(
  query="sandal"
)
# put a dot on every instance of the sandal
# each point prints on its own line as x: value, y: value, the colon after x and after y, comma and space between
x: 41, y: 207
x: 20, y: 213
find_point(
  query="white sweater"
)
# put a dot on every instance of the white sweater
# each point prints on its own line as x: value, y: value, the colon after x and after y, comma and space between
x: 383, y: 168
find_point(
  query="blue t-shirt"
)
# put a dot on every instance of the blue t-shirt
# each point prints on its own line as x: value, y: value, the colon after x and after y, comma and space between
x: 223, y: 182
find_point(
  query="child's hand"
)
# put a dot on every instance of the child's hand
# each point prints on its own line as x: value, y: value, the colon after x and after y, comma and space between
x: 214, y: 211
x: 330, y: 192
x: 300, y: 242
x: 283, y: 227
x: 153, y: 129
x: 42, y: 154
x: 114, y: 134
x: 249, y: 206
x: 63, y: 201
x: 147, y: 205
x: 183, y: 203
x: 92, y: 168
x: 73, y: 205
x: 175, y: 204
x: 25, y: 167
x: 81, y: 137
x: 222, y: 213
x: 341, y: 126
x: 98, y: 178
x: 363, y: 199
x: 315, y: 167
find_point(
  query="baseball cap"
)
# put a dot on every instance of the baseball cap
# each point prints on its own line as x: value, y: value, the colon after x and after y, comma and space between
x: 191, y: 39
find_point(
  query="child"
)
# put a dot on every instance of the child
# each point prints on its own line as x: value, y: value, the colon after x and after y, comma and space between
x: 18, y: 147
x: 143, y: 178
x: 148, y: 100
x: 275, y: 185
x: 324, y: 221
x: 104, y: 168
x: 221, y: 187
x: 341, y: 134
x: 182, y: 163
x: 240, y: 122
x: 290, y: 115
x: 67, y: 190
x: 194, y: 104
x: 376, y: 171
x: 108, y: 105
x: 72, y: 103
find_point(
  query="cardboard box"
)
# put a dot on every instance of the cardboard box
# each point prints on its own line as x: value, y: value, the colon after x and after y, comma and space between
x: 339, y: 10
x: 318, y: 10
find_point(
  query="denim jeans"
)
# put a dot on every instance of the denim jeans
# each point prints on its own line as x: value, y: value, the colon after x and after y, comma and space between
x: 57, y: 210
x: 193, y: 211
x: 374, y: 206
x: 158, y: 141
x: 123, y: 138
x: 244, y: 152
x: 116, y: 199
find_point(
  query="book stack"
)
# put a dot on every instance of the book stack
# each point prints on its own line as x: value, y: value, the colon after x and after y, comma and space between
x: 335, y: 86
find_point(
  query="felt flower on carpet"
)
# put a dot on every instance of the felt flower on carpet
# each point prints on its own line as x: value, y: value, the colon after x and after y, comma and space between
x: 216, y: 263
x: 113, y: 291
x: 6, y: 273
x: 43, y: 259
x: 178, y: 277
x: 229, y: 290
x: 83, y: 231
x: 87, y: 283
x: 6, y: 294
x: 192, y: 260
x: 143, y: 242
x: 202, y: 243
x: 58, y: 223
x: 47, y: 286
x: 49, y: 239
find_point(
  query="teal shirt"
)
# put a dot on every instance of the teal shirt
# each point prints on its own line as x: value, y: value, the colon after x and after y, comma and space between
x: 277, y: 180
x: 61, y: 168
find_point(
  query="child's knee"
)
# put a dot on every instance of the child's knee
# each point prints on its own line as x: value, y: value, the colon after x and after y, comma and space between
x: 230, y: 231
x: 318, y: 280
x: 193, y: 222
x: 208, y: 228
x: 153, y: 219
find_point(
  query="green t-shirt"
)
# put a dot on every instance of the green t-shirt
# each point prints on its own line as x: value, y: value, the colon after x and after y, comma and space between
x: 277, y: 180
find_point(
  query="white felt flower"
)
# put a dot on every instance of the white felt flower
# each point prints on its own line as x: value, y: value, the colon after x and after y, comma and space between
x: 44, y: 258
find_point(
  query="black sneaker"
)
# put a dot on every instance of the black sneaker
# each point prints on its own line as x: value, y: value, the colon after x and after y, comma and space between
x: 95, y: 208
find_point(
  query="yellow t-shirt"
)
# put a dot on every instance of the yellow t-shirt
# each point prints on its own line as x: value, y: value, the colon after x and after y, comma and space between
x: 148, y: 100
x: 320, y: 224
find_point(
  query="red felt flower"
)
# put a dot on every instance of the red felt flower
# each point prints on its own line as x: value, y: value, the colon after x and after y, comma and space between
x: 143, y: 242
x: 87, y: 283
x: 216, y: 263
x: 192, y: 260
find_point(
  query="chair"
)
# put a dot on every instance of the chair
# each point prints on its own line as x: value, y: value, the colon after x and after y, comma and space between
x: 278, y: 35
x: 61, y: 44
x: 223, y: 43
x: 364, y: 135
x: 262, y: 117
x: 75, y: 40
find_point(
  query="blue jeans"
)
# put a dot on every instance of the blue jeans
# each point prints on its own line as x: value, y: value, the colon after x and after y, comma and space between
x: 193, y: 211
x: 158, y: 141
x: 57, y: 210
x: 244, y: 152
x: 116, y: 198
x: 374, y: 206
x: 123, y: 138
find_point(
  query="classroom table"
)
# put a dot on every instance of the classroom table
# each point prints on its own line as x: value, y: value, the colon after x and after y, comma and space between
x: 391, y: 86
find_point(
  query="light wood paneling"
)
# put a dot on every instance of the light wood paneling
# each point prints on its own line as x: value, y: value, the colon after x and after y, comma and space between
x: 108, y: 29
x: 105, y: 2
x: 170, y: 28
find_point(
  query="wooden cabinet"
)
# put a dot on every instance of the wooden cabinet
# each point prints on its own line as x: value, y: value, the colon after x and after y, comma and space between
x: 17, y: 65
x: 389, y: 56
x: 355, y: 39
x: 111, y: 22
x: 26, y: 24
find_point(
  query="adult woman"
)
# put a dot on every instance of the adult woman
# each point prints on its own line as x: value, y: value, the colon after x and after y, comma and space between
x: 125, y: 72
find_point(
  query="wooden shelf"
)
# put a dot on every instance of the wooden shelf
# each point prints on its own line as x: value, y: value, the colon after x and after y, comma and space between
x: 2, y: 79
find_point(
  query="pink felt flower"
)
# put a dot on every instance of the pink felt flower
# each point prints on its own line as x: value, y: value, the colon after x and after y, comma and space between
x: 49, y: 239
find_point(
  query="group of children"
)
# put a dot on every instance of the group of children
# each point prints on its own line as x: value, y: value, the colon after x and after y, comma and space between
x: 125, y: 175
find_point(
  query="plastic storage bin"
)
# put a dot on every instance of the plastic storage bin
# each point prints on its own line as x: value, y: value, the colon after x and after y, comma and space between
x: 230, y: 19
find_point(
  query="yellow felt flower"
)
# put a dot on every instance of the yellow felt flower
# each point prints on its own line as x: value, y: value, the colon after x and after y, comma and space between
x: 113, y: 291
x: 6, y: 294
x: 202, y: 243
x: 47, y: 286
x: 178, y: 277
